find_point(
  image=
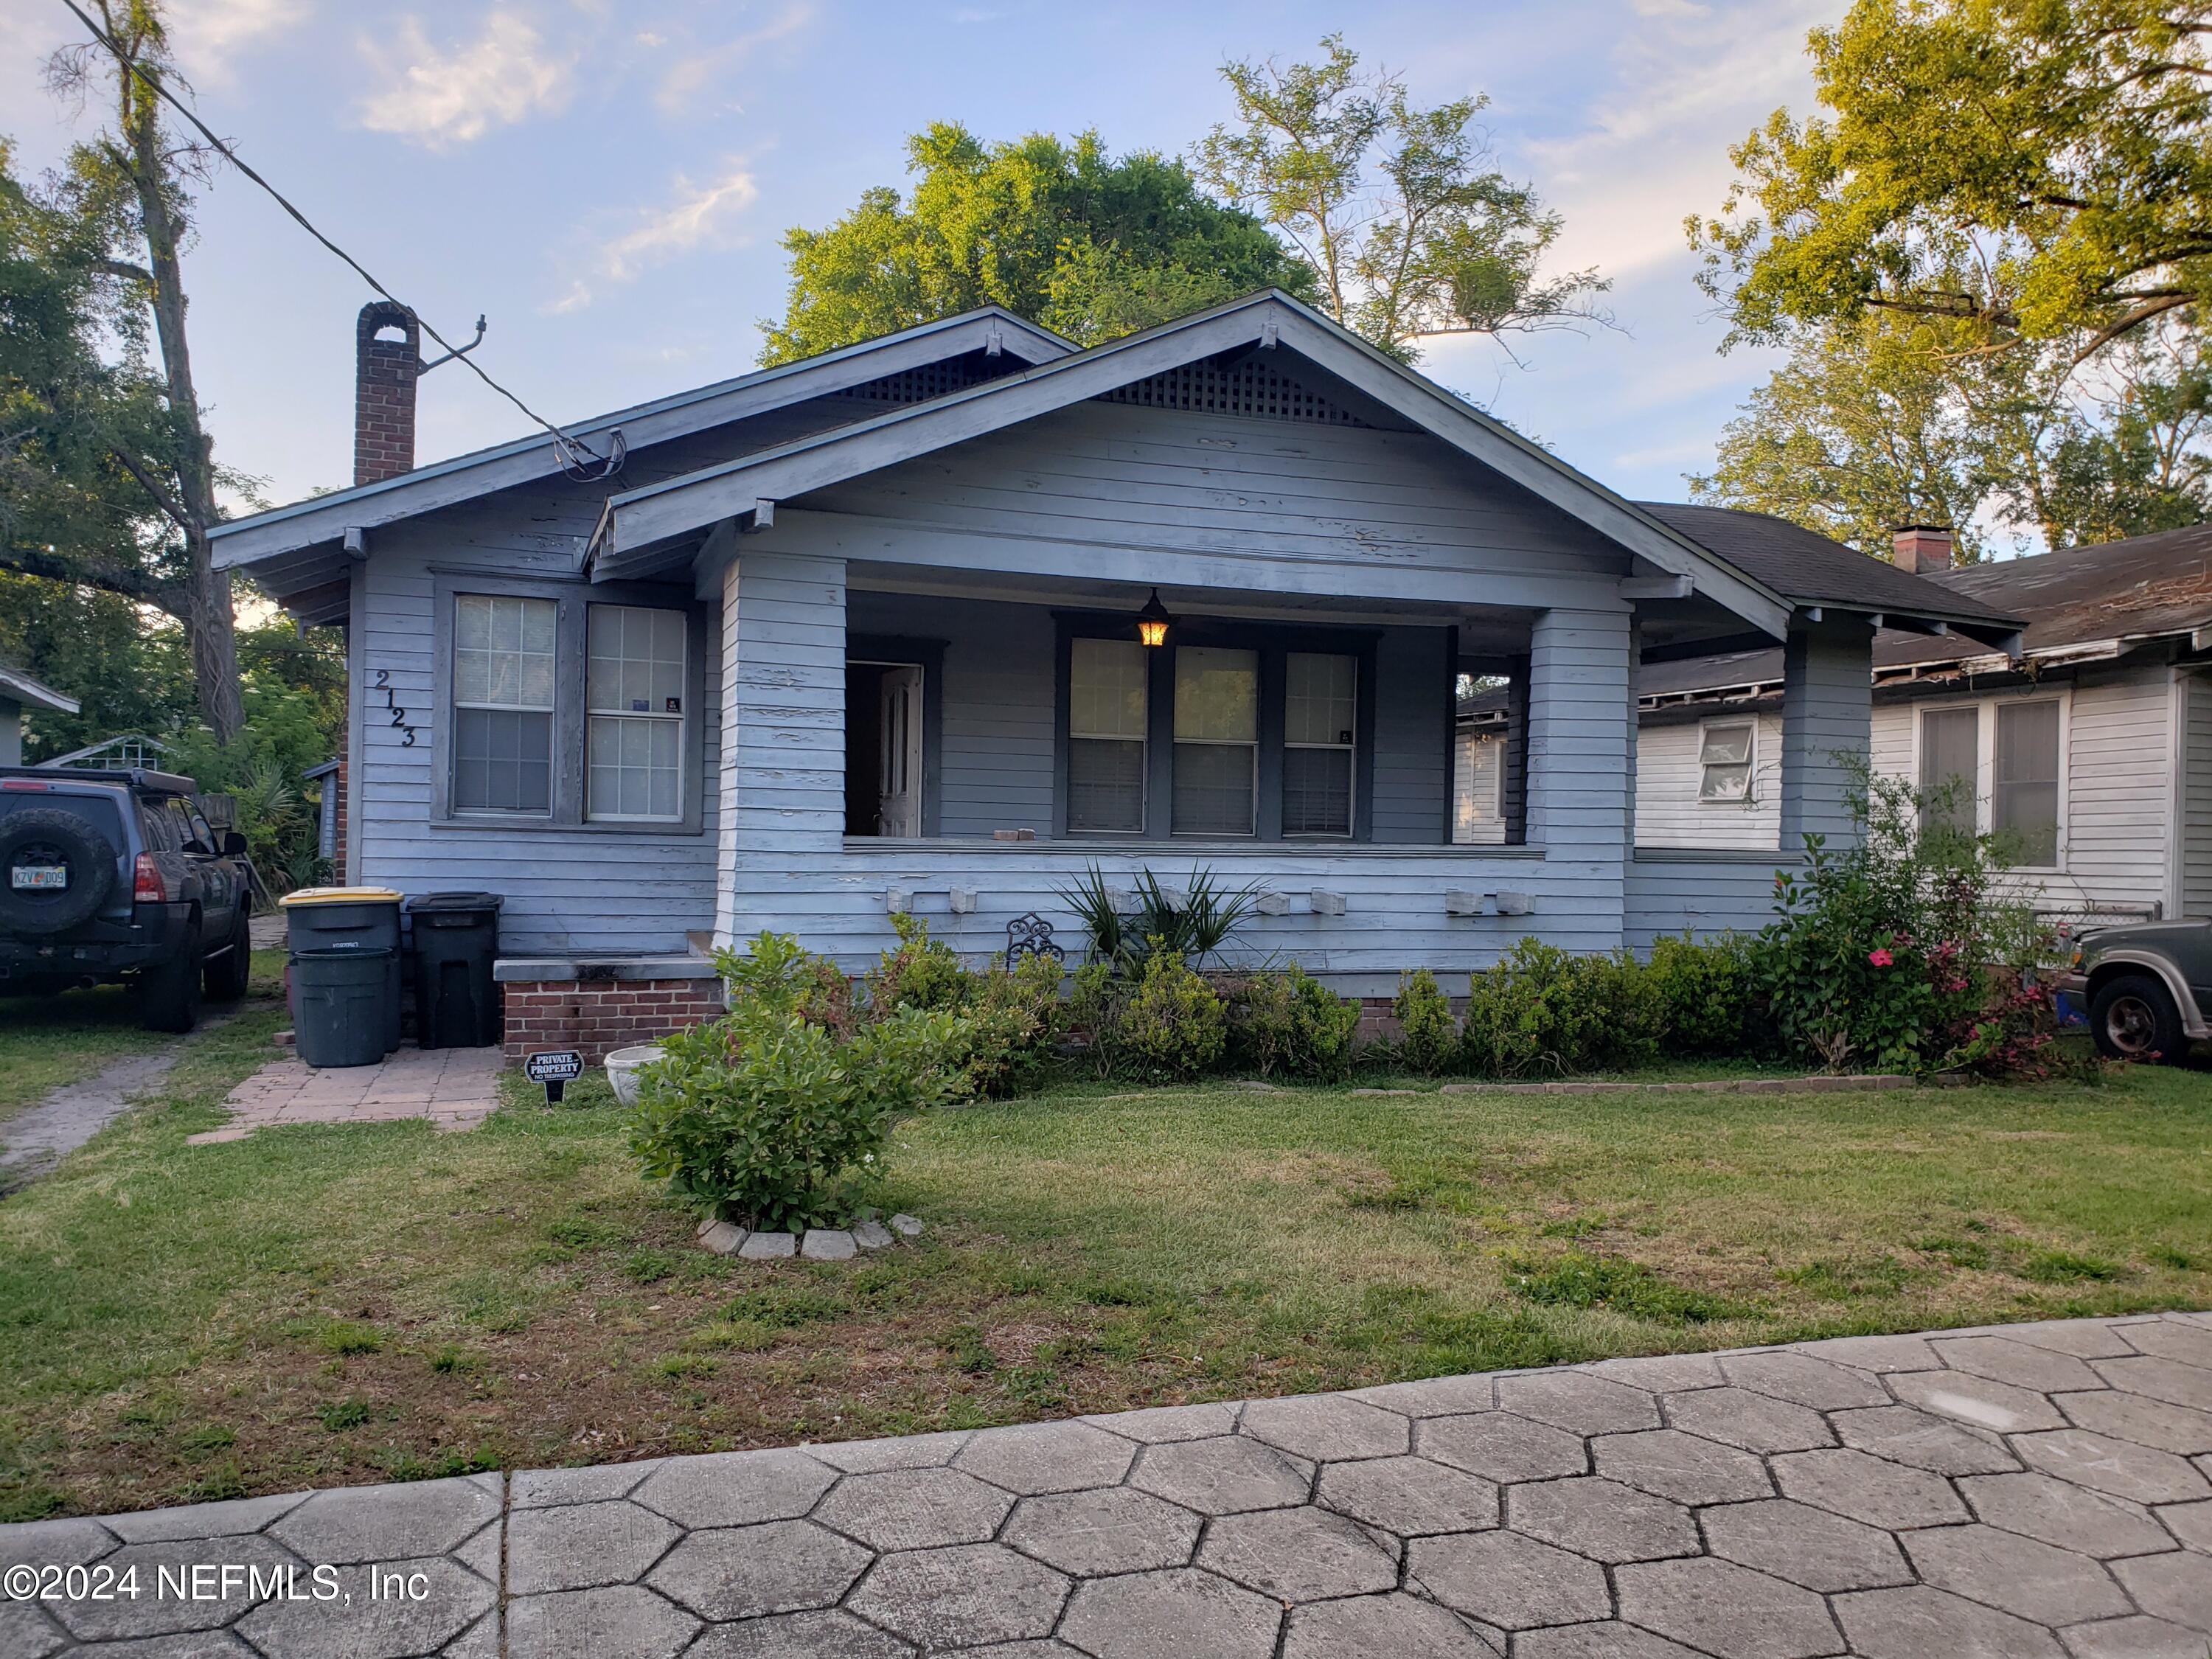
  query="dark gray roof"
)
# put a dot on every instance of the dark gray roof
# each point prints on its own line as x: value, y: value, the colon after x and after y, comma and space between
x: 1808, y: 568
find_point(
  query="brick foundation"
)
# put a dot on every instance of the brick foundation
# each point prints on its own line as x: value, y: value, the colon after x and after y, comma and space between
x: 599, y: 1016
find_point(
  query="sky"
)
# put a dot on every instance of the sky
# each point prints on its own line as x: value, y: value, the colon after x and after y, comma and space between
x: 606, y: 181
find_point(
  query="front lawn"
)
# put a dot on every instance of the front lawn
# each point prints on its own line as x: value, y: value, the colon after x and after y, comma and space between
x: 326, y: 1305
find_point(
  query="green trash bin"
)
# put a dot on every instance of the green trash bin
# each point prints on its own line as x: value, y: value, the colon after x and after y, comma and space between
x: 456, y: 943
x: 349, y: 919
x: 338, y: 1003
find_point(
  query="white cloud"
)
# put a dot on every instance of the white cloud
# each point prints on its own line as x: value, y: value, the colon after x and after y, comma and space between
x: 504, y: 76
x: 208, y: 33
x: 698, y: 215
x: 684, y: 89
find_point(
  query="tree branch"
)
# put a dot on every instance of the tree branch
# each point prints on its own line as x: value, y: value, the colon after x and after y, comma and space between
x: 102, y: 574
x: 127, y: 271
x: 2133, y: 319
x: 171, y: 507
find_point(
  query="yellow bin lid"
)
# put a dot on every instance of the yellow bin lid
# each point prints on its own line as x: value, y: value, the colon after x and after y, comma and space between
x: 341, y: 895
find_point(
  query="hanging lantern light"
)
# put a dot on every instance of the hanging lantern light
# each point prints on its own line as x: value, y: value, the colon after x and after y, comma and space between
x: 1152, y: 621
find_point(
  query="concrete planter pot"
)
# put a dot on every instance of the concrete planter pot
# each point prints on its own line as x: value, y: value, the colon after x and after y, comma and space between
x: 622, y: 1066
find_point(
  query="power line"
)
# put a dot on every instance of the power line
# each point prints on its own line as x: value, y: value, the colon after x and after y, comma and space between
x: 577, y: 457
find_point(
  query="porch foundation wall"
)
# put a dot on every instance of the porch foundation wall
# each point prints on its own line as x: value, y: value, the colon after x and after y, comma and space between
x: 598, y: 1017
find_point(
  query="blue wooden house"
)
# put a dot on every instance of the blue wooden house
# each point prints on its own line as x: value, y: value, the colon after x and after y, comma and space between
x: 935, y: 622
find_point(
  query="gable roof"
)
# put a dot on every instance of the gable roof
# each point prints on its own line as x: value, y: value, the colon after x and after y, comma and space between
x: 324, y: 519
x: 17, y: 687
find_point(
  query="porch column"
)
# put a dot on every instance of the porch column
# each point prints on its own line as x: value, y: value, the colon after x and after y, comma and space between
x: 1828, y: 704
x: 1581, y: 767
x: 780, y: 816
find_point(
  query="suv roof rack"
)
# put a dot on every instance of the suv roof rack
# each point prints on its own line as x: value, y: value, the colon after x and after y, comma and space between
x: 136, y: 777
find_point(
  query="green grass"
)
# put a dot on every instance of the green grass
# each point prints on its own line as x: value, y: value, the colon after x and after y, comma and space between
x: 321, y: 1305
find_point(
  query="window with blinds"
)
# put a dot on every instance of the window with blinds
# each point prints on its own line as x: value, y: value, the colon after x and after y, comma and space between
x: 633, y: 713
x: 2026, y: 781
x: 1217, y: 741
x: 1107, y: 711
x: 1950, y: 768
x: 503, y: 680
x: 1320, y: 696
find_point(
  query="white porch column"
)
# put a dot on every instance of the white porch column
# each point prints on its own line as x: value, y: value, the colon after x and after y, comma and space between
x: 1581, y: 770
x: 1828, y: 706
x: 782, y: 814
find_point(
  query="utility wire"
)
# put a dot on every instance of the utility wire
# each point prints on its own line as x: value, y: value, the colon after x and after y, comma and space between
x: 575, y: 453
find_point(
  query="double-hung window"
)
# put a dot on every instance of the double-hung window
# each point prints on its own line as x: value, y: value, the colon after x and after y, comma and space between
x: 1321, y: 696
x: 1726, y: 755
x: 2026, y: 795
x: 1950, y: 768
x: 1217, y: 741
x: 1107, y: 711
x: 1996, y: 768
x: 503, y: 701
x: 633, y: 713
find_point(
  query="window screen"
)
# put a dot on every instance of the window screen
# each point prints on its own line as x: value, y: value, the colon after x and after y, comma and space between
x: 1217, y: 741
x: 2027, y: 779
x: 634, y: 713
x: 1950, y: 767
x: 1107, y: 711
x: 1724, y: 761
x: 1320, y: 709
x: 502, y: 704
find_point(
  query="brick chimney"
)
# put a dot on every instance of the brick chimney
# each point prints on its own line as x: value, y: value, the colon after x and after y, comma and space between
x: 1921, y: 549
x: 387, y: 357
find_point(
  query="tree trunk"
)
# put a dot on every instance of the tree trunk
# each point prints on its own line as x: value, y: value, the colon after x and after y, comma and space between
x: 209, y: 625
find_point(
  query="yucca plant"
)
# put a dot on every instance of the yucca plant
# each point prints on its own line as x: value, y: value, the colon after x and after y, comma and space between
x: 1191, y: 925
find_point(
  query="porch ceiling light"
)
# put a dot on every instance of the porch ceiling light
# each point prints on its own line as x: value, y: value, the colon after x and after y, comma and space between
x: 1152, y: 621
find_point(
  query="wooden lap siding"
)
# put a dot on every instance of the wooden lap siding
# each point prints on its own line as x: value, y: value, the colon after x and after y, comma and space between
x: 1669, y: 814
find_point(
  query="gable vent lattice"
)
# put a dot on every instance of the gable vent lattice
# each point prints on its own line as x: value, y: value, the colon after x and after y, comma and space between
x: 926, y: 380
x: 1251, y: 388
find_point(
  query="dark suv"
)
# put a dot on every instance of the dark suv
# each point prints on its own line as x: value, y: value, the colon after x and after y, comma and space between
x: 108, y: 876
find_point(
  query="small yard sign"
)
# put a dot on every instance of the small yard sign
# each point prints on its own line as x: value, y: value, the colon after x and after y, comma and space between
x: 556, y: 1068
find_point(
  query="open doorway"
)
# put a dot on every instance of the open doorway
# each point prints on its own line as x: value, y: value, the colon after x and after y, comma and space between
x: 883, y: 749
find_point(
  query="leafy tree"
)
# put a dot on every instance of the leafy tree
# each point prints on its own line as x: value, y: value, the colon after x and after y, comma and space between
x: 1063, y: 234
x: 125, y: 189
x: 1402, y: 214
x: 2035, y: 167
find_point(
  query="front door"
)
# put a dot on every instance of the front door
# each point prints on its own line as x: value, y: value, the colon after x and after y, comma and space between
x: 899, y: 766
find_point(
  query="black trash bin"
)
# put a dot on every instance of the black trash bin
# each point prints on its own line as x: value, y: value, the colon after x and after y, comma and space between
x: 349, y: 919
x: 339, y: 998
x: 456, y: 939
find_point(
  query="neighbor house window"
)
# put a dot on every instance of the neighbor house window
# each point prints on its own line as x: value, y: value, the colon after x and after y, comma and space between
x: 1726, y: 754
x: 503, y: 681
x: 1320, y: 705
x: 1217, y: 741
x: 633, y: 713
x: 1107, y: 710
x: 2027, y: 779
x: 1950, y: 768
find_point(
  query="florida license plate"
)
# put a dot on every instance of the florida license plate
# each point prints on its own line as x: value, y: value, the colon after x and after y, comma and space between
x: 38, y: 878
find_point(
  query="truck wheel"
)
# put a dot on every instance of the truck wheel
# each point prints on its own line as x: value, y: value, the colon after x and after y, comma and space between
x: 228, y: 974
x: 2134, y: 1018
x: 169, y: 994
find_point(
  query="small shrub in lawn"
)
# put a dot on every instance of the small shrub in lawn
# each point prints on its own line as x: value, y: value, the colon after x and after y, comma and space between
x: 1290, y: 1025
x: 1578, y: 1279
x: 1173, y: 1027
x: 1428, y: 1035
x: 763, y: 1116
x: 1542, y: 1010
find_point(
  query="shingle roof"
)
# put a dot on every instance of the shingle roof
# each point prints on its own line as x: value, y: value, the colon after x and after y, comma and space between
x: 1808, y: 568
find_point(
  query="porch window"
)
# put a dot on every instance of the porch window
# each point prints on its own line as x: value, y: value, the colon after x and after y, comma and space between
x: 503, y: 681
x: 1217, y: 741
x: 633, y: 713
x: 1950, y: 768
x: 1725, y: 760
x: 1319, y: 708
x: 2027, y: 803
x: 1107, y: 712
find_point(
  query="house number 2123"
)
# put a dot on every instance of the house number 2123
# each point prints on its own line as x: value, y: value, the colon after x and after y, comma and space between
x: 392, y: 706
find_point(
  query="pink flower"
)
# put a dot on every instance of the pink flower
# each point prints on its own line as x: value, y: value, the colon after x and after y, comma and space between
x: 1881, y: 959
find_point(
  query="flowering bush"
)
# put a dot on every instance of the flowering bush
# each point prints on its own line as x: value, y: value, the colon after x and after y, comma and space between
x: 1898, y: 954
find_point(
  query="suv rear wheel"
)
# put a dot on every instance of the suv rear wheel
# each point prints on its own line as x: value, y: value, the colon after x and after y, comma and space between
x: 169, y: 993
x: 2133, y: 1017
x: 228, y: 974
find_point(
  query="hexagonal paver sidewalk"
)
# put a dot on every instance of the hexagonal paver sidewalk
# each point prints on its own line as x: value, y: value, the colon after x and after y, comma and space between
x: 2029, y: 1492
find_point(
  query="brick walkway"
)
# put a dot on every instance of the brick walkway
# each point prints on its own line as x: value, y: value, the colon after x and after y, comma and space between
x: 2033, y: 1492
x: 454, y: 1088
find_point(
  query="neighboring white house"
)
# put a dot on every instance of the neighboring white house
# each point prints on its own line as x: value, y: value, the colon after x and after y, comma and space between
x: 2094, y: 750
x: 19, y: 691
